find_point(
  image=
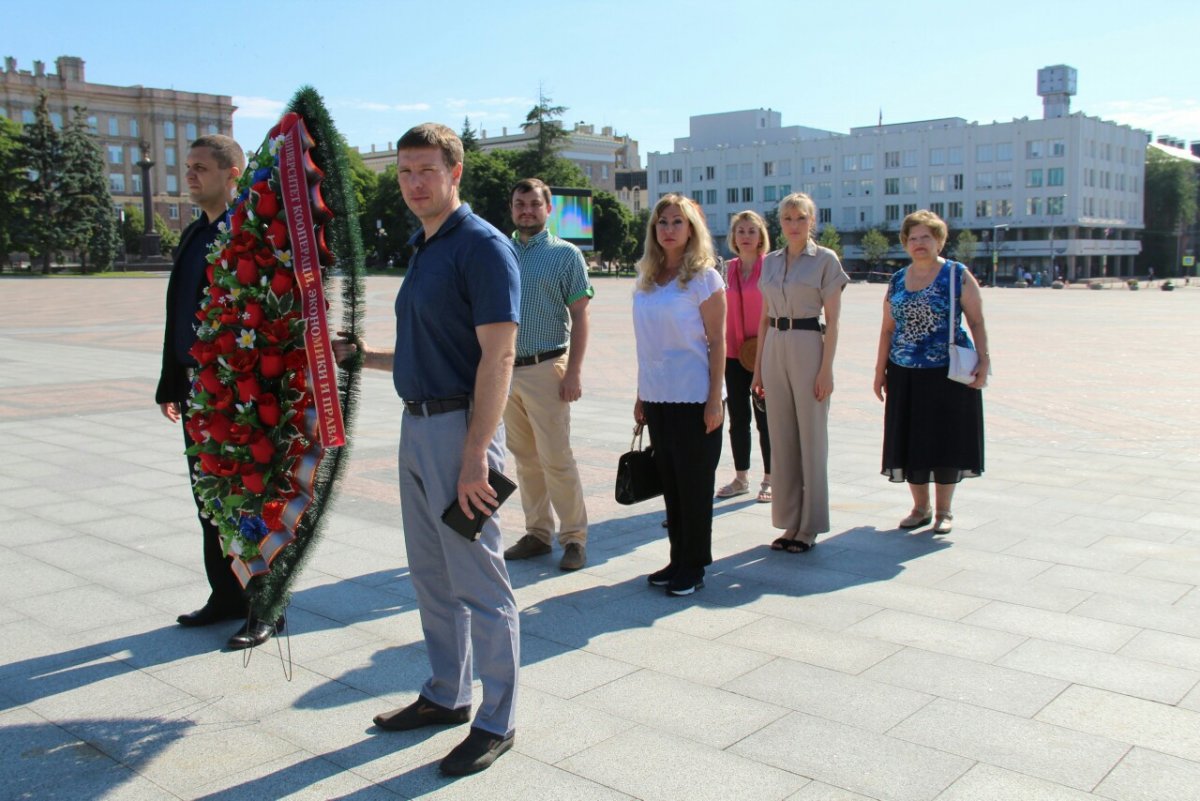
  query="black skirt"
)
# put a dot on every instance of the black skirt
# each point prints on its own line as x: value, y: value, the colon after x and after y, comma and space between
x: 932, y: 427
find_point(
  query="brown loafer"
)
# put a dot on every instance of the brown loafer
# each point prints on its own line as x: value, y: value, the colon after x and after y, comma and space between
x: 422, y: 712
x: 574, y: 557
x: 526, y: 547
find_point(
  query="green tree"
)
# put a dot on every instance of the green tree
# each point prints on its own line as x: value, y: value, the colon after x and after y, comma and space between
x: 612, y: 225
x: 384, y: 205
x: 12, y: 177
x: 551, y: 136
x: 831, y: 239
x: 1170, y: 187
x: 637, y: 246
x: 86, y: 218
x: 134, y: 226
x: 467, y: 135
x: 965, y: 247
x: 362, y: 184
x: 487, y: 183
x: 875, y: 246
x: 774, y: 231
x: 42, y: 193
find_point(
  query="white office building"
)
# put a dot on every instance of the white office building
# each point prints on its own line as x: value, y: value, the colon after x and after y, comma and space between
x: 1066, y: 187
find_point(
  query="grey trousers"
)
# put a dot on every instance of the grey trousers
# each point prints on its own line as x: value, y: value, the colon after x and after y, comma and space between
x: 468, y: 612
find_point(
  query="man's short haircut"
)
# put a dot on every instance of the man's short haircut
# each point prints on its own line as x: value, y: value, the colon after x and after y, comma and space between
x: 431, y: 134
x: 225, y: 149
x: 531, y: 185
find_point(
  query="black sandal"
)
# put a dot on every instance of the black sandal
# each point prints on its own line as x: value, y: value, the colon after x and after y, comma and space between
x: 799, y: 546
x: 780, y: 544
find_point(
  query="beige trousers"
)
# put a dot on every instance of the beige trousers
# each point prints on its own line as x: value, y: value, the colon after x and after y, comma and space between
x: 538, y: 426
x: 799, y: 431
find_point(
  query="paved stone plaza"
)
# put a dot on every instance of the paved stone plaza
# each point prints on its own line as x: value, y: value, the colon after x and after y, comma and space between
x: 1048, y: 649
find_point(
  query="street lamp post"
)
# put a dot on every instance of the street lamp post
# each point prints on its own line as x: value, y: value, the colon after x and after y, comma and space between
x: 996, y: 240
x: 151, y: 244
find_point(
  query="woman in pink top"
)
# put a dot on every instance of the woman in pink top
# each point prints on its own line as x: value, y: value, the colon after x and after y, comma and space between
x: 748, y: 238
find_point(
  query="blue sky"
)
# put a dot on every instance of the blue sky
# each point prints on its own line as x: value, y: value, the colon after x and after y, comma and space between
x: 641, y: 67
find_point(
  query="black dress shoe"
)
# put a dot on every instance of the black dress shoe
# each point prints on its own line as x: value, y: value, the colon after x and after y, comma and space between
x: 254, y: 632
x: 207, y: 615
x: 422, y: 712
x: 476, y: 753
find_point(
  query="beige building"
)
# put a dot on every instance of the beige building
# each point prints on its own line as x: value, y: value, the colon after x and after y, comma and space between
x: 599, y: 155
x: 124, y: 119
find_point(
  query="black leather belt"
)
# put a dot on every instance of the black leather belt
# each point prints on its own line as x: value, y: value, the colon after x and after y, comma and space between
x: 525, y: 361
x: 429, y: 408
x: 795, y: 323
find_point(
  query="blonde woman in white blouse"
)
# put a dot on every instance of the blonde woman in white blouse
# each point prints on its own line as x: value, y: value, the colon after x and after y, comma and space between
x: 679, y: 324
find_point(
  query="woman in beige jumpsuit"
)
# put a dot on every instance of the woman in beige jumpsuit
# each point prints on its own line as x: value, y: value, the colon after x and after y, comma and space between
x: 794, y: 372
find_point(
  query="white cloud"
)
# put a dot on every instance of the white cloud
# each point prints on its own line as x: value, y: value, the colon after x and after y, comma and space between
x: 459, y: 103
x: 258, y: 108
x: 367, y: 105
x: 1159, y: 115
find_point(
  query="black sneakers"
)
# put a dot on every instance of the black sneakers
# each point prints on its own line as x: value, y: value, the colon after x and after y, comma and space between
x: 686, y: 581
x: 661, y: 578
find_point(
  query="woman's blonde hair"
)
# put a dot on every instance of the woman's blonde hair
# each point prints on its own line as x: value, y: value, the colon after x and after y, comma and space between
x: 697, y: 255
x: 927, y: 218
x: 752, y: 217
x: 799, y: 200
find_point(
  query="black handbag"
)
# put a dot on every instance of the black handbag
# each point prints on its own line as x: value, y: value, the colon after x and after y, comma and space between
x: 637, y: 475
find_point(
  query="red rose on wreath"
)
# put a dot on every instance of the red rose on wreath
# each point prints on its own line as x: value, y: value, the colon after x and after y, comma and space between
x: 217, y: 426
x: 209, y: 379
x: 275, y: 331
x: 243, y: 361
x: 296, y: 359
x: 218, y: 465
x: 247, y: 386
x: 252, y: 315
x: 222, y: 399
x: 247, y: 271
x: 268, y: 409
x: 270, y: 363
x: 265, y: 257
x: 272, y: 514
x: 195, y: 428
x: 267, y: 204
x: 253, y: 480
x: 226, y: 342
x: 205, y: 353
x: 239, y: 217
x: 281, y: 282
x: 297, y: 381
x: 277, y: 234
x: 240, y: 434
x: 261, y: 448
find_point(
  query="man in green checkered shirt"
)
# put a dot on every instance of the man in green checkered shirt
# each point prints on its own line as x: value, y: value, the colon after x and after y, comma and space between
x: 551, y: 342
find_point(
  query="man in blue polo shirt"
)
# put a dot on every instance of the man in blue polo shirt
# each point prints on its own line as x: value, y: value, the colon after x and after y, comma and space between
x: 456, y: 327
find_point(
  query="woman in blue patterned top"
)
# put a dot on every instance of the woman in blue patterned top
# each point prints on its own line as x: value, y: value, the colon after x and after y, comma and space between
x: 933, y: 427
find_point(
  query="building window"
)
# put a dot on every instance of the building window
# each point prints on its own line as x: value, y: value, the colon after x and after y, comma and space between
x: 603, y: 172
x: 783, y: 167
x: 908, y: 158
x: 983, y: 180
x: 937, y: 183
x: 116, y: 182
x: 848, y: 188
x: 866, y: 187
x: 212, y: 128
x: 808, y: 166
x: 169, y: 157
x: 891, y: 186
x: 27, y: 116
x: 955, y: 210
x: 824, y: 215
x: 848, y: 216
x: 1004, y: 208
x: 826, y: 164
x: 173, y: 212
x: 710, y: 173
x: 133, y: 127
x: 115, y: 154
x: 939, y: 209
x: 191, y: 131
x: 1033, y: 206
x: 909, y: 208
x: 908, y: 185
x: 937, y: 156
x: 983, y: 208
x: 747, y: 194
x: 784, y: 190
x: 769, y: 194
x: 1054, y: 176
x: 587, y: 169
x: 137, y: 183
x: 1054, y: 205
x: 891, y: 212
x: 731, y: 195
x: 768, y: 169
x: 168, y: 130
x: 849, y: 164
x: 697, y: 174
x: 956, y: 182
x: 677, y: 176
x: 710, y: 197
x: 983, y: 153
x: 866, y: 215
x: 1004, y: 179
x: 195, y: 212
x: 93, y: 124
x: 172, y: 184
x: 135, y: 154
x: 1033, y: 178
x: 954, y: 155
x: 730, y: 172
x: 891, y: 160
x: 664, y: 176
x: 56, y: 120
x: 1033, y: 149
x: 867, y: 161
x: 746, y: 171
x: 825, y: 190
x: 114, y: 126
x: 1004, y: 151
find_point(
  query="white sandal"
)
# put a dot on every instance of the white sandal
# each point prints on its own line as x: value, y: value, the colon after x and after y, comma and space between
x: 764, y: 492
x: 944, y: 523
x: 739, y: 486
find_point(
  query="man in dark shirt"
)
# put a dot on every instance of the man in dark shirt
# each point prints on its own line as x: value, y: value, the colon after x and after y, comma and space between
x: 214, y: 163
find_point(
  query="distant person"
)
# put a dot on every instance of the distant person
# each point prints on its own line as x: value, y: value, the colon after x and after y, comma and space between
x: 551, y: 343
x: 799, y: 283
x: 933, y: 427
x: 456, y: 331
x: 679, y: 326
x: 213, y: 165
x: 1150, y: 276
x: 748, y: 238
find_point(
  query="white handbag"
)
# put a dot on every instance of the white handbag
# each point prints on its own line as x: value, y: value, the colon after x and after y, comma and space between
x: 963, y: 361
